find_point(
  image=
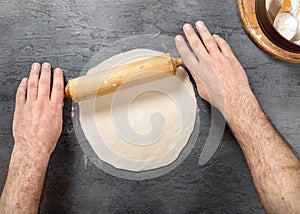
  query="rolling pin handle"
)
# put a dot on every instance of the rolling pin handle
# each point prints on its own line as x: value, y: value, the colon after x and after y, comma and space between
x: 286, y: 7
x: 178, y: 62
x: 67, y: 93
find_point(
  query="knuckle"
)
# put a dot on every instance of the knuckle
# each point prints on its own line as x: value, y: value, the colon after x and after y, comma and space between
x: 56, y: 106
x: 225, y: 45
x: 212, y: 62
x: 44, y: 82
x: 197, y: 45
x: 56, y: 111
x: 22, y: 85
x: 21, y: 93
x: 220, y: 59
x: 221, y: 41
x: 32, y: 85
x: 21, y: 90
x: 40, y: 104
x: 190, y: 64
x: 210, y: 41
x: 207, y: 59
x: 57, y: 87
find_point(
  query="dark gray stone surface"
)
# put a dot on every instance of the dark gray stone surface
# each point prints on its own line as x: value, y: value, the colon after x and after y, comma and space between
x: 68, y: 33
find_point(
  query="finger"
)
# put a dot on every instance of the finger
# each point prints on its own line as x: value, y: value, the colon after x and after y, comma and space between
x: 207, y: 38
x: 57, y: 94
x: 45, y: 80
x: 21, y: 92
x: 33, y: 82
x: 194, y: 41
x: 186, y: 54
x: 223, y: 46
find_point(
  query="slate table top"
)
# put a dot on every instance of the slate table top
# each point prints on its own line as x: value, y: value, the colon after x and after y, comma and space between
x: 68, y: 33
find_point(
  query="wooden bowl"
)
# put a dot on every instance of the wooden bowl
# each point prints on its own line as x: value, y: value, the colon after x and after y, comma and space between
x: 260, y: 29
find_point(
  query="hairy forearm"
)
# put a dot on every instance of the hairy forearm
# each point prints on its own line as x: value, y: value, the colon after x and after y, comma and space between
x: 274, y: 167
x: 24, y: 183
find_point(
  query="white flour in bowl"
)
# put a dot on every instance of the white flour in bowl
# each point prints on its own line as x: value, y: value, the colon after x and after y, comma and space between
x: 273, y: 7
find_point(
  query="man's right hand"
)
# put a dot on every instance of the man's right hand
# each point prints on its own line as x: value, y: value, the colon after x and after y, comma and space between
x: 222, y: 81
x: 220, y: 78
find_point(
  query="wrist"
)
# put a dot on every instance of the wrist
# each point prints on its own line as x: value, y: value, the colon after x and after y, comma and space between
x: 239, y: 105
x: 35, y: 156
x: 34, y: 146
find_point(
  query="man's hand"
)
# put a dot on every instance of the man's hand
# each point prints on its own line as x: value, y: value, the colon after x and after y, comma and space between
x: 218, y: 74
x: 222, y: 81
x: 37, y: 126
x: 37, y: 121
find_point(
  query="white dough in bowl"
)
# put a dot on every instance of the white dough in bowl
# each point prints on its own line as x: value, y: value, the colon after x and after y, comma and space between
x: 286, y: 26
x: 273, y: 7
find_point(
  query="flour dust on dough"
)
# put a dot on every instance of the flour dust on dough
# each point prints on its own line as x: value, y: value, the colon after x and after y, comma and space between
x: 144, y: 127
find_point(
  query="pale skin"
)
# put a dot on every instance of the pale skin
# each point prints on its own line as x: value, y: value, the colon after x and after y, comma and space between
x: 37, y: 126
x: 220, y: 80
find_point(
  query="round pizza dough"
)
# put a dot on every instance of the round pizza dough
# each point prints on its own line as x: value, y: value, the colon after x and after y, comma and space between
x: 143, y: 127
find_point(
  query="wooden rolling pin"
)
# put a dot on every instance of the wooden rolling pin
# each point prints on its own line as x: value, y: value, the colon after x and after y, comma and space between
x: 127, y: 75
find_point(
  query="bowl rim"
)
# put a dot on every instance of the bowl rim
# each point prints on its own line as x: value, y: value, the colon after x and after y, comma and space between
x: 269, y: 30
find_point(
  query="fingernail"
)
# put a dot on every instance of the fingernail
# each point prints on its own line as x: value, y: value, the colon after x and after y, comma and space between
x: 200, y: 24
x: 58, y: 70
x: 24, y: 81
x: 187, y: 27
x: 46, y: 65
x: 35, y: 66
x: 178, y: 38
